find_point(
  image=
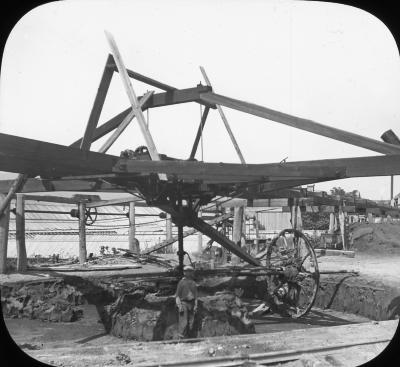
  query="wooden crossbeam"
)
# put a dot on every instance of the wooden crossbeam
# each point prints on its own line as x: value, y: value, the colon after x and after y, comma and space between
x: 97, y: 106
x: 118, y: 201
x: 225, y: 170
x: 133, y: 100
x: 35, y: 157
x: 303, y: 124
x: 141, y: 78
x: 224, y: 119
x: 156, y: 100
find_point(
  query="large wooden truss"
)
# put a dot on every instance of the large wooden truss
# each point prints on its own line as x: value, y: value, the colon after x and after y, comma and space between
x: 179, y: 187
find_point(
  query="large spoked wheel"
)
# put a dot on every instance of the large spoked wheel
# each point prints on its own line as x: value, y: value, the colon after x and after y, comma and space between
x: 293, y: 291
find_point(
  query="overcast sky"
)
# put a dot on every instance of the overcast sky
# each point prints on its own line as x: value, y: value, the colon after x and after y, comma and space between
x: 331, y: 63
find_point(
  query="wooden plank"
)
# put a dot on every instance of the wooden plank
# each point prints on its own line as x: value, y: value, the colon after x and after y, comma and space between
x: 233, y: 203
x: 140, y: 77
x: 52, y: 199
x: 134, y: 101
x: 303, y: 124
x: 35, y: 157
x: 22, y: 260
x: 97, y: 106
x: 119, y: 201
x: 4, y: 227
x: 199, y: 132
x: 124, y: 124
x: 82, y: 233
x: 225, y: 120
x: 199, y: 169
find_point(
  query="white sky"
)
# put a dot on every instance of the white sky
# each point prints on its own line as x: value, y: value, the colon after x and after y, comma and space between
x: 331, y: 63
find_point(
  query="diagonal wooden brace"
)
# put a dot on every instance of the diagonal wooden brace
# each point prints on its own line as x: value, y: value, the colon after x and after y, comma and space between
x: 211, y: 232
x: 120, y: 129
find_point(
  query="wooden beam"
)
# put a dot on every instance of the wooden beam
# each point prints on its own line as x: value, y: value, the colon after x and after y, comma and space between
x: 119, y: 201
x: 4, y: 226
x: 124, y: 124
x: 82, y: 233
x: 52, y: 199
x: 35, y: 157
x: 199, y: 133
x: 142, y: 78
x: 105, y: 128
x: 225, y: 120
x: 22, y: 260
x: 303, y: 124
x: 226, y: 170
x: 97, y: 106
x: 134, y: 101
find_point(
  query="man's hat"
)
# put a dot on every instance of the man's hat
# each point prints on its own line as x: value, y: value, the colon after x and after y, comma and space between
x: 188, y: 268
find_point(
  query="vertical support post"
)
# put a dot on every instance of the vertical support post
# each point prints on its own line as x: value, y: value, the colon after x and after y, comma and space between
x: 168, y: 232
x: 257, y: 232
x: 391, y: 187
x: 237, y: 230
x: 20, y: 233
x: 4, y: 226
x: 82, y: 232
x: 132, y: 228
x: 200, y: 239
x: 181, y: 252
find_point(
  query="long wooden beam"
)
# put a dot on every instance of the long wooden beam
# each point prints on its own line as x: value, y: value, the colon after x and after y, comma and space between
x: 97, y: 106
x: 133, y: 100
x: 119, y: 201
x: 35, y: 157
x: 300, y: 123
x: 226, y: 170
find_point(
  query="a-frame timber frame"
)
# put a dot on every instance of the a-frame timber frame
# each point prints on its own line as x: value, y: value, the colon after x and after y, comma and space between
x: 178, y: 187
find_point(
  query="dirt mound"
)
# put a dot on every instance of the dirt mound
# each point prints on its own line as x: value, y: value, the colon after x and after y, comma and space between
x: 376, y: 238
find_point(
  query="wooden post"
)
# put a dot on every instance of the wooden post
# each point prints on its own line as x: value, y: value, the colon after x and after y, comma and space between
x: 132, y: 228
x: 237, y: 230
x: 4, y: 226
x: 168, y: 232
x: 200, y: 240
x: 82, y: 233
x: 20, y: 233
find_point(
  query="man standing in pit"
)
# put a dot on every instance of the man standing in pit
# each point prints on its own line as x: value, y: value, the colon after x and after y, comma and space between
x: 186, y: 301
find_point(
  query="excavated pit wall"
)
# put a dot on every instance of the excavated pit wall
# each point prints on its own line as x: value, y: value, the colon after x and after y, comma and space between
x: 121, y: 302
